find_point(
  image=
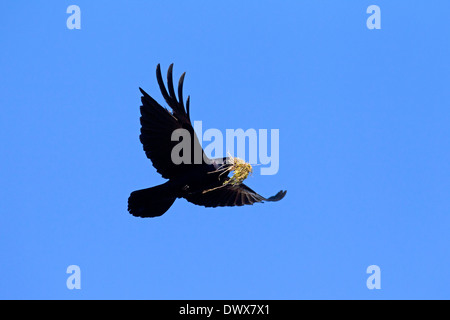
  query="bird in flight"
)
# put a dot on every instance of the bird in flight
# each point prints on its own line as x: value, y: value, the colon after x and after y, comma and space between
x: 206, y: 183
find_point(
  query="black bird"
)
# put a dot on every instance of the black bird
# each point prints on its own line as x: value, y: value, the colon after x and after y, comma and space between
x: 203, y: 184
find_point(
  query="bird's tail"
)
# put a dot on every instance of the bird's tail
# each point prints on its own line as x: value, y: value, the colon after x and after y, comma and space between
x: 151, y: 202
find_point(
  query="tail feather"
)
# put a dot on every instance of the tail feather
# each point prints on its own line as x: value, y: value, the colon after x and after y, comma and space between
x: 151, y: 202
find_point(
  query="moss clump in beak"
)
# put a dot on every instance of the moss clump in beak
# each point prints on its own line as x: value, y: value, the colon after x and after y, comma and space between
x: 241, y: 171
x: 240, y: 168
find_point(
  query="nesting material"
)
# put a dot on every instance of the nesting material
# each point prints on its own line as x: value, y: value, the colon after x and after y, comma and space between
x: 241, y: 170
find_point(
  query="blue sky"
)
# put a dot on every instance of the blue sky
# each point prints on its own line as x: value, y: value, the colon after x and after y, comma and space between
x: 364, y: 149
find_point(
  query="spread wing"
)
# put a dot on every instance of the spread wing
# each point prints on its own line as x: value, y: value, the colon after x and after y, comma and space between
x: 230, y: 196
x: 158, y: 124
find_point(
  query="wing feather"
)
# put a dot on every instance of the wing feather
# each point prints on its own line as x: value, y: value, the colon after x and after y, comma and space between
x: 230, y: 196
x: 158, y: 124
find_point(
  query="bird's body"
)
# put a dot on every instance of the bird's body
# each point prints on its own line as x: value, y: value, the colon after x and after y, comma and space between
x: 206, y: 183
x: 197, y: 180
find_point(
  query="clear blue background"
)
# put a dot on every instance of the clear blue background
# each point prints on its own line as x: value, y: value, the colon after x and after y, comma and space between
x: 364, y: 149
